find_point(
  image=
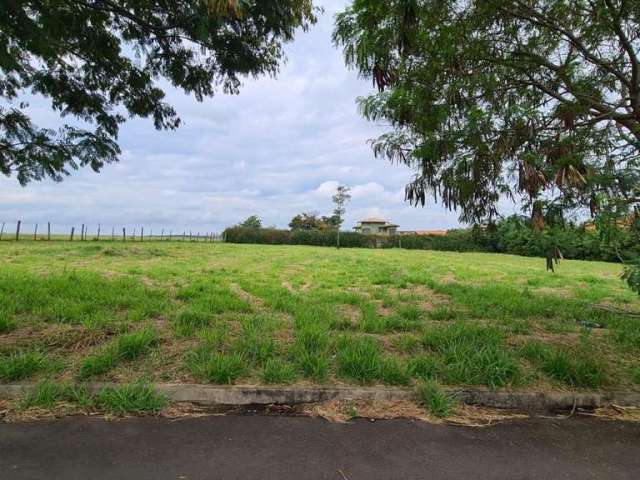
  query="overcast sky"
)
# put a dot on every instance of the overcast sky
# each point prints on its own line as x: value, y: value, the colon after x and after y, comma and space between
x: 278, y: 148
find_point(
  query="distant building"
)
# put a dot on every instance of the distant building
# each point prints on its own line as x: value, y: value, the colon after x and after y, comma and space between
x: 376, y: 226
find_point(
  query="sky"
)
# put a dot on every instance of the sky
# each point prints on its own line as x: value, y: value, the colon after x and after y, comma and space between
x: 279, y: 148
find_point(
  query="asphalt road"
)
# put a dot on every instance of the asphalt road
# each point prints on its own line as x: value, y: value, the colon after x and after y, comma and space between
x: 268, y: 447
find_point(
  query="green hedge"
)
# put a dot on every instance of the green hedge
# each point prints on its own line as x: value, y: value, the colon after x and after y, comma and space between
x: 512, y: 235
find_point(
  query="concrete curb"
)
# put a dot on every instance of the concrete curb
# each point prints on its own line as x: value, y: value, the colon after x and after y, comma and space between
x: 263, y: 395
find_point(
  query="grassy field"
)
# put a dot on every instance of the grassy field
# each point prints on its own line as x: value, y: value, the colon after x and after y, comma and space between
x: 219, y: 313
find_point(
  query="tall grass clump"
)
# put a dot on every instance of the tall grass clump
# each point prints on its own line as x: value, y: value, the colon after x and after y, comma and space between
x: 48, y: 393
x: 130, y: 398
x: 22, y: 364
x: 278, y: 371
x: 437, y: 402
x: 216, y: 367
x: 310, y: 351
x: 188, y: 321
x: 472, y: 354
x: 125, y: 347
x: 576, y: 367
x: 359, y: 358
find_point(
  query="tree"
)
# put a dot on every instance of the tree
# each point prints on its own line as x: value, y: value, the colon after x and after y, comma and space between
x: 340, y: 199
x: 253, y: 221
x: 311, y: 221
x: 101, y: 61
x: 537, y: 101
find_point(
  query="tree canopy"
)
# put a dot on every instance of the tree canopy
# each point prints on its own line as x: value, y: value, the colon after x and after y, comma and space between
x: 533, y: 100
x: 311, y: 221
x: 102, y: 61
x: 254, y: 221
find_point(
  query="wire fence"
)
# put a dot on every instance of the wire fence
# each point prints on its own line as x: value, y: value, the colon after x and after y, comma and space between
x: 20, y: 231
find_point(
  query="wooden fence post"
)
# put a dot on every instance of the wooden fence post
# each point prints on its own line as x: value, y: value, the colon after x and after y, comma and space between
x: 170, y: 235
x: 35, y: 232
x: 124, y: 234
x: 48, y: 230
x: 18, y: 230
x: 141, y: 234
x: 98, y: 232
x: 72, y: 230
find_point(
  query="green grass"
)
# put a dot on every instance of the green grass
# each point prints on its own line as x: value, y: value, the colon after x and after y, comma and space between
x: 22, y: 364
x: 125, y: 347
x: 196, y: 312
x: 129, y: 398
x: 216, y: 367
x: 431, y: 395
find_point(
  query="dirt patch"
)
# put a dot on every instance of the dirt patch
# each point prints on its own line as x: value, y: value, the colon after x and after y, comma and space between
x: 255, y: 302
x: 350, y: 312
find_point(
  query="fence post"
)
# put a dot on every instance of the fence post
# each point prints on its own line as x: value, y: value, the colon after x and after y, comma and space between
x: 98, y: 232
x: 18, y: 230
x: 170, y: 235
x: 124, y: 234
x: 190, y: 237
x: 1, y: 230
x: 82, y: 232
x: 141, y: 234
x: 133, y: 237
x: 35, y: 232
x: 161, y: 234
x: 72, y: 231
x: 48, y: 231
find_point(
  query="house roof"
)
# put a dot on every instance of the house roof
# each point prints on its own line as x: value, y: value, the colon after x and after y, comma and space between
x: 373, y: 220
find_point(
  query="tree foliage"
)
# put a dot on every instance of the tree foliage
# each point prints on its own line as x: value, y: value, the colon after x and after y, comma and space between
x: 534, y: 100
x: 102, y: 61
x: 311, y: 221
x: 253, y: 222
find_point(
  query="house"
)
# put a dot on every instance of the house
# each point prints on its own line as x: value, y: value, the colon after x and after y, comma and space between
x: 376, y: 226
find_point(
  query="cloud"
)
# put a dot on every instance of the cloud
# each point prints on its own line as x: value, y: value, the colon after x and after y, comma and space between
x: 278, y: 148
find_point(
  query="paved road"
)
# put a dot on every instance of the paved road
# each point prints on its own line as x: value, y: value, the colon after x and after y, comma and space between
x: 267, y: 447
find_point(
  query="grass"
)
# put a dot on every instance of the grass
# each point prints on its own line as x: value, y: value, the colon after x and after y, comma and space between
x: 128, y: 398
x: 196, y: 312
x: 125, y: 347
x: 22, y: 364
x: 431, y: 395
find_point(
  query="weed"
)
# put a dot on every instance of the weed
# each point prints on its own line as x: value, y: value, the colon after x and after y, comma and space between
x: 98, y: 363
x: 48, y: 393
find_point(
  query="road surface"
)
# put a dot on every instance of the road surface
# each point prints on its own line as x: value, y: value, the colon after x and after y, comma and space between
x: 280, y: 447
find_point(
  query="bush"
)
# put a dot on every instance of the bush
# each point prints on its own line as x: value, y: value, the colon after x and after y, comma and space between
x: 512, y: 235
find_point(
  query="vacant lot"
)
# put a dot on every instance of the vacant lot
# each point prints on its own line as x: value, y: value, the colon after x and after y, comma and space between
x: 217, y: 313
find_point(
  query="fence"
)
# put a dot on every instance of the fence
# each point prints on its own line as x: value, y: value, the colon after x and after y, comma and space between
x: 99, y: 234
